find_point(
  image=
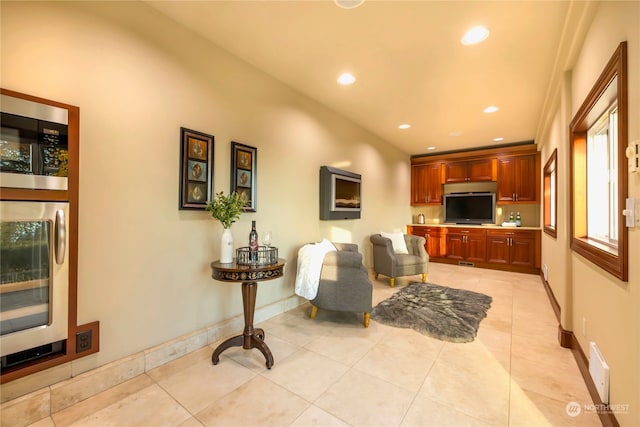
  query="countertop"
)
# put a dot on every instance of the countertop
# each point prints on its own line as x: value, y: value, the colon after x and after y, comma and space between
x: 485, y: 226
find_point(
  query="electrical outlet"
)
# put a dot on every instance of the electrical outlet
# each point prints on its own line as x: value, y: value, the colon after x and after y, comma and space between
x: 83, y: 341
x: 584, y: 326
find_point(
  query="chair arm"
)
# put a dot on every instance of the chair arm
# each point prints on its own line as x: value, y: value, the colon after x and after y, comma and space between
x: 382, y: 246
x: 343, y: 259
x: 415, y: 245
x: 350, y: 247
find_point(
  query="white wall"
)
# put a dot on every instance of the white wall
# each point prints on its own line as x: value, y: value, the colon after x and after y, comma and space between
x: 137, y: 78
x: 611, y: 307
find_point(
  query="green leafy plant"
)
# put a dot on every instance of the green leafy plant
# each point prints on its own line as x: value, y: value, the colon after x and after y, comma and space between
x: 226, y: 209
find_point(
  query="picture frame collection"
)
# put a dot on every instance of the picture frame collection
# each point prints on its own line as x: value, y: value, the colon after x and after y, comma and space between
x: 197, y: 167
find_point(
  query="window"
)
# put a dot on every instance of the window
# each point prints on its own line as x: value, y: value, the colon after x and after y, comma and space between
x: 551, y: 194
x: 602, y: 179
x: 598, y: 133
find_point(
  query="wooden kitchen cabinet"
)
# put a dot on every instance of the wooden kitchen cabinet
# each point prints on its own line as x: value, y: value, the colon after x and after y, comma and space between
x: 434, y: 244
x: 470, y: 171
x: 426, y: 184
x: 466, y: 244
x: 486, y: 247
x: 512, y: 248
x: 518, y: 179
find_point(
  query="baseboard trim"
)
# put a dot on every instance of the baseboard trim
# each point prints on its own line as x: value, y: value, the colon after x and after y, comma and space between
x: 552, y: 298
x: 567, y: 339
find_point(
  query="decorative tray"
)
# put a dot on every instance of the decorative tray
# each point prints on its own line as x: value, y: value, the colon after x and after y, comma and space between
x: 265, y: 255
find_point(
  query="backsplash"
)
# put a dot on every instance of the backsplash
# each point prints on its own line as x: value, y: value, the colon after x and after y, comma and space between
x: 529, y: 214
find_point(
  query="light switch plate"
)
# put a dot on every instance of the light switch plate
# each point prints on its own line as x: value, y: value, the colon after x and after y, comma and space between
x: 630, y: 212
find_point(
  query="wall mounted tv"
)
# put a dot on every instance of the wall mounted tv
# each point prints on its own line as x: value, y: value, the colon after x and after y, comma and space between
x: 470, y: 208
x: 340, y: 193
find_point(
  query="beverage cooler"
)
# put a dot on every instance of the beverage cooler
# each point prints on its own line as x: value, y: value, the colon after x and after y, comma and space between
x: 34, y: 280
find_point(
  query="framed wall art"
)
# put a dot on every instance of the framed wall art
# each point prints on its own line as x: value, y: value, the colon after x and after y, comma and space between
x: 196, y: 169
x: 244, y: 160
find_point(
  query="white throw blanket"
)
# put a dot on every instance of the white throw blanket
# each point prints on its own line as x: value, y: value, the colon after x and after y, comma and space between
x: 310, y: 259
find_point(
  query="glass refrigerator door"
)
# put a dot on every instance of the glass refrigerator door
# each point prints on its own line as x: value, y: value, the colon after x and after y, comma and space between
x: 25, y: 274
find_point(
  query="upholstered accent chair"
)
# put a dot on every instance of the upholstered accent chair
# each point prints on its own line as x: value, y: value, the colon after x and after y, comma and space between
x: 393, y: 263
x: 344, y: 283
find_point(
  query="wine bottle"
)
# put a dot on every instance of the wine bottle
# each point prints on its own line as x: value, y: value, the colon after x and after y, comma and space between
x: 253, y: 242
x: 518, y: 219
x: 511, y: 217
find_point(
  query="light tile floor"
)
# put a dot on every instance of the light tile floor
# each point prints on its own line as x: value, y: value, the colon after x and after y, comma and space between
x: 332, y: 372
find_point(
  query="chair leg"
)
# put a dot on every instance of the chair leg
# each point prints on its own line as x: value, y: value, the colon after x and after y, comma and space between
x: 424, y: 277
x: 314, y: 312
x: 367, y: 319
x: 392, y: 282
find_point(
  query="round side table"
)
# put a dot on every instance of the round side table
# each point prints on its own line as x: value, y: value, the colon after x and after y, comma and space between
x: 249, y: 276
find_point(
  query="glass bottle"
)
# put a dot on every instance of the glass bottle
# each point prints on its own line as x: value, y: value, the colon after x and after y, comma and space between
x: 511, y: 217
x: 518, y: 220
x: 253, y: 242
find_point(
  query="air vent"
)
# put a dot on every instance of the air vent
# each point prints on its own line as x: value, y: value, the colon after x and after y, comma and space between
x: 599, y: 371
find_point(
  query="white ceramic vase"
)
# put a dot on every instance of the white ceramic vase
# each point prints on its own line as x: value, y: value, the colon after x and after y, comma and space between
x: 226, y: 246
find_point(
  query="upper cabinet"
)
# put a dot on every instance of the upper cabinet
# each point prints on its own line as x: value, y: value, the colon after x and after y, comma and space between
x: 519, y: 179
x: 470, y: 171
x: 515, y: 168
x: 426, y: 184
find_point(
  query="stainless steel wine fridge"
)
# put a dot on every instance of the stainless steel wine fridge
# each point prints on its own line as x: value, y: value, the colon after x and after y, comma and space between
x: 34, y: 280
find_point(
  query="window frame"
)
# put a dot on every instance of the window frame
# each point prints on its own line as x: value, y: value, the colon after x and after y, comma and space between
x: 595, y: 104
x: 550, y: 199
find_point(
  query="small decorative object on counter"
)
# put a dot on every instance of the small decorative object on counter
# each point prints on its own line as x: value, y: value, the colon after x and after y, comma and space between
x: 518, y: 220
x: 511, y: 217
x: 420, y: 218
x: 264, y: 255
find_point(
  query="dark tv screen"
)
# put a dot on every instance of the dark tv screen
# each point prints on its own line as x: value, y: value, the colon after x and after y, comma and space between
x: 470, y: 208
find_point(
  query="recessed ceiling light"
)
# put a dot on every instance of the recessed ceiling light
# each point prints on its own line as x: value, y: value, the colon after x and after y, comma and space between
x: 431, y: 148
x: 348, y: 4
x: 475, y: 35
x: 404, y: 126
x: 455, y: 133
x: 490, y: 109
x: 346, y: 79
x: 498, y: 139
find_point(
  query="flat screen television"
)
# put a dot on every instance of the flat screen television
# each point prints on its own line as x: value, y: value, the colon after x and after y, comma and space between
x: 470, y: 208
x: 340, y: 192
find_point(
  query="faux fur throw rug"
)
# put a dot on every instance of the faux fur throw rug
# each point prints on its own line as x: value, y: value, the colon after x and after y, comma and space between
x: 447, y: 314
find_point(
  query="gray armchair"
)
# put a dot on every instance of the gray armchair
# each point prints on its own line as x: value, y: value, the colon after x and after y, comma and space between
x: 389, y: 263
x: 344, y: 283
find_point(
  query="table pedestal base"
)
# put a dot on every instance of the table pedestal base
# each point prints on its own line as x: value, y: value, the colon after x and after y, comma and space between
x: 250, y: 338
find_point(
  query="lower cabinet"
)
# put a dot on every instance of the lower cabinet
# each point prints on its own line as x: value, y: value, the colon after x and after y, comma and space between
x: 503, y: 249
x: 435, y: 244
x: 466, y: 244
x: 511, y: 247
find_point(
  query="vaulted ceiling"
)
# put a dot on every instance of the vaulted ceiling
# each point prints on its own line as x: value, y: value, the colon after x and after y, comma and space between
x: 408, y: 60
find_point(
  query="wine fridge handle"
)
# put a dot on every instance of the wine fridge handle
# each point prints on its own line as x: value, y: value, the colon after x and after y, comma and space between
x: 61, y: 236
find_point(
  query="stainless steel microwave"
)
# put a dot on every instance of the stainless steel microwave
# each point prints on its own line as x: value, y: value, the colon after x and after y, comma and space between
x: 34, y: 145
